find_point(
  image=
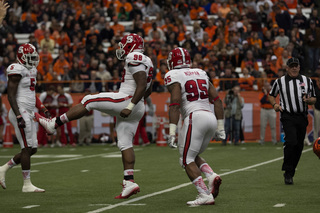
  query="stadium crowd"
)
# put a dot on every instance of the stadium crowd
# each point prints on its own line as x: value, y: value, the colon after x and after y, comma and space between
x: 243, y: 42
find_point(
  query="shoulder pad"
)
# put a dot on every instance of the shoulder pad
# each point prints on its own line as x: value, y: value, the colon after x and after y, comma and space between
x: 15, y: 69
x: 172, y: 76
x: 135, y: 58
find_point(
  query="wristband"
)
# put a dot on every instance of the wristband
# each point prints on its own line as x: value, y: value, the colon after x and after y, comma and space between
x: 19, y: 116
x: 130, y: 106
x: 174, y: 104
x: 172, y: 129
x: 220, y: 123
x: 274, y: 104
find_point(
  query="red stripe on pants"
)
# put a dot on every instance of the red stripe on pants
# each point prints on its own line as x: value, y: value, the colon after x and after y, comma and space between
x: 188, y: 141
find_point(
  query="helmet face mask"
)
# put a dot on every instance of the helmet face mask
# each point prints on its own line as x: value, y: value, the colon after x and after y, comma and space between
x: 129, y: 43
x: 28, y: 56
x: 179, y: 58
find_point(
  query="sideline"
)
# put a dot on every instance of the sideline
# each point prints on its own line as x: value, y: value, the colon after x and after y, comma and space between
x: 184, y: 185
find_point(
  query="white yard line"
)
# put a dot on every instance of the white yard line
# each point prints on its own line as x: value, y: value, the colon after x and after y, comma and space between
x: 184, y: 185
x: 69, y: 159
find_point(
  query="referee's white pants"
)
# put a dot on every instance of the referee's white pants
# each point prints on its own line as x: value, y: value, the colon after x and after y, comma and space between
x: 268, y: 116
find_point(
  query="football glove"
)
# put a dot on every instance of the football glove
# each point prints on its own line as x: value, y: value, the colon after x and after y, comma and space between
x: 220, y: 133
x: 172, y: 141
x: 21, y: 122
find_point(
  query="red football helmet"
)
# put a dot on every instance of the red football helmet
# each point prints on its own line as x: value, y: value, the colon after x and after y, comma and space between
x: 129, y: 43
x: 28, y: 56
x: 179, y: 58
x: 316, y: 147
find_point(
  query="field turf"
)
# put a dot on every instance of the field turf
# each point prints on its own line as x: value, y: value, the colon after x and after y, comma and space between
x: 86, y: 179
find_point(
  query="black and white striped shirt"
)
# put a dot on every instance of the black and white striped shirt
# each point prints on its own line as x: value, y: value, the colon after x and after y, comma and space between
x: 291, y: 93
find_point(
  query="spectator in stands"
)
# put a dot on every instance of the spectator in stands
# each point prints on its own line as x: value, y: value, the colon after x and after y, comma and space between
x: 282, y: 38
x: 184, y: 15
x: 12, y: 41
x: 249, y: 58
x: 39, y: 33
x: 197, y: 12
x: 136, y: 12
x: 118, y: 28
x: 28, y: 26
x: 315, y: 17
x: 156, y: 33
x: 48, y: 42
x: 224, y: 10
x: 274, y: 66
x: 158, y: 84
x: 246, y: 81
x: 188, y: 40
x: 152, y: 9
x: 123, y: 15
x: 236, y: 57
x: 283, y: 19
x: 227, y: 84
x: 82, y: 54
x: 101, y: 23
x: 106, y: 34
x: 76, y: 86
x: 312, y: 42
x: 300, y: 19
x: 277, y: 50
x: 104, y: 75
x: 59, y: 65
x: 95, y: 85
x: 84, y: 74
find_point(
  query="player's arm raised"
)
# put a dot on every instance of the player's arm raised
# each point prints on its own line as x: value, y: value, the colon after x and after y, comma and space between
x: 174, y: 112
x: 13, y: 83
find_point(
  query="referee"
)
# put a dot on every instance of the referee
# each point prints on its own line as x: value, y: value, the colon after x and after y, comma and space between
x: 296, y: 93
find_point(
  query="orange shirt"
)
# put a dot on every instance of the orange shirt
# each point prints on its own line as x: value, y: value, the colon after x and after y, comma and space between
x: 118, y: 29
x: 278, y: 51
x: 266, y: 105
x: 255, y: 65
x: 214, y: 8
x: 160, y: 78
x: 65, y: 40
x: 127, y: 7
x: 211, y: 31
x: 33, y: 17
x: 246, y: 83
x: 199, y: 13
x: 58, y: 66
x: 258, y: 41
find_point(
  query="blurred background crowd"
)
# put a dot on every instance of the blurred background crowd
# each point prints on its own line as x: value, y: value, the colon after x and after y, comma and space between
x: 237, y: 42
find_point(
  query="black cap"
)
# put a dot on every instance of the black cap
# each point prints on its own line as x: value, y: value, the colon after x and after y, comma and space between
x: 292, y: 61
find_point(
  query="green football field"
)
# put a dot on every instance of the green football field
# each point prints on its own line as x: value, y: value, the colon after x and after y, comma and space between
x: 86, y: 179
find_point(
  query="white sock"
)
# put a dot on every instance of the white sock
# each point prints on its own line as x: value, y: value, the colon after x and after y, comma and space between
x: 200, y: 185
x: 128, y: 173
x: 26, y: 174
x: 206, y: 169
x: 9, y: 165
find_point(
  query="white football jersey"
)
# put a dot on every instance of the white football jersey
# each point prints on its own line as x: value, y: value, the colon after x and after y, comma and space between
x: 194, y: 89
x: 26, y: 90
x: 135, y: 62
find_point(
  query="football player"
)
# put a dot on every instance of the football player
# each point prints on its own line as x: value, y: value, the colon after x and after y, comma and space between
x: 191, y: 95
x: 23, y: 100
x: 127, y: 105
